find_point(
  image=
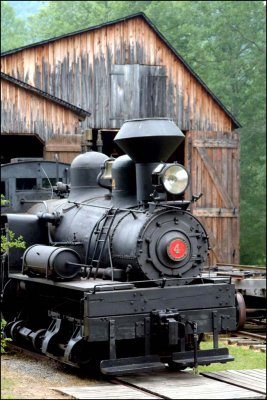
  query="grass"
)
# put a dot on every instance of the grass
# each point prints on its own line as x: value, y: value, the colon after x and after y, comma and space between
x: 245, y: 358
x: 6, y: 386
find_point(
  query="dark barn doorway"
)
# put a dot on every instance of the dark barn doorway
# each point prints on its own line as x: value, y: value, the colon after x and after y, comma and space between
x: 20, y: 146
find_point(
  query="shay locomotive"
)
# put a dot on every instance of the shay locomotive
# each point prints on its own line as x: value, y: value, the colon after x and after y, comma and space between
x: 111, y: 276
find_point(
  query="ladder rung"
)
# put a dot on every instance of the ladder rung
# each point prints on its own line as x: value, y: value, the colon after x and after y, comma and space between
x: 101, y: 231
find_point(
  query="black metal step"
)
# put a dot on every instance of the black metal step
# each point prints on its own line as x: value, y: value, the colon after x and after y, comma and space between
x: 123, y: 366
x: 204, y: 357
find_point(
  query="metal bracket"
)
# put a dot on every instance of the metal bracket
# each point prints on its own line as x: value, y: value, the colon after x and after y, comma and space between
x: 76, y: 338
x: 51, y: 333
x: 112, y: 339
x: 215, y: 329
x: 147, y: 335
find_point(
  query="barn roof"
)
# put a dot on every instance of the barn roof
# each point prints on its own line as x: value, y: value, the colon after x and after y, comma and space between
x: 76, y: 110
x: 150, y: 23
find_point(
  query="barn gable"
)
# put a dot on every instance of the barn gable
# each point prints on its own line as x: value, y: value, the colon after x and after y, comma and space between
x: 120, y: 70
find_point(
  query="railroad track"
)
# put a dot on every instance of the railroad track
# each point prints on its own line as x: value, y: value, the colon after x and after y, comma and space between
x: 164, y: 384
x: 253, y: 340
x: 253, y: 336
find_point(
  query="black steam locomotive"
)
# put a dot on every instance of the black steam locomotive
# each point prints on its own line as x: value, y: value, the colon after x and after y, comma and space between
x: 111, y: 276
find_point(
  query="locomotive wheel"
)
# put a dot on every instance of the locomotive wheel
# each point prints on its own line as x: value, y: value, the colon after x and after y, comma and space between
x: 7, y: 329
x: 15, y: 328
x: 37, y: 339
x: 241, y: 311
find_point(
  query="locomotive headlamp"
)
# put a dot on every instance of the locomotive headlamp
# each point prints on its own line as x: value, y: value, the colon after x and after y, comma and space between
x: 172, y: 177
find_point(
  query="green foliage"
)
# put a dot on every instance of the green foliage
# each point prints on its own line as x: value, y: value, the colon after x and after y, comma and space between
x: 25, y: 8
x: 13, y: 31
x: 9, y: 239
x: 61, y: 17
x: 4, y: 339
x: 223, y: 41
x: 4, y: 202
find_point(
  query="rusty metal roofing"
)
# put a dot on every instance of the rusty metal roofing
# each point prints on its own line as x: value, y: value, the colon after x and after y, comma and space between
x: 76, y: 110
x: 150, y: 23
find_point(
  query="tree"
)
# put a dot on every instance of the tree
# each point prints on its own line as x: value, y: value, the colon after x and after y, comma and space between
x: 13, y: 31
x: 61, y: 17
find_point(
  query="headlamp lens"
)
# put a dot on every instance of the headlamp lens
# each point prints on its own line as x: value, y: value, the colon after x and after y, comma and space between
x: 175, y: 179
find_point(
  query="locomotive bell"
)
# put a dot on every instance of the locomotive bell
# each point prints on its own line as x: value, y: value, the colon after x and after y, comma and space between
x: 107, y: 168
x: 148, y: 142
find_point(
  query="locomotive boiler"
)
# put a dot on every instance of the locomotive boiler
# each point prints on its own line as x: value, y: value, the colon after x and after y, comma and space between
x: 111, y: 275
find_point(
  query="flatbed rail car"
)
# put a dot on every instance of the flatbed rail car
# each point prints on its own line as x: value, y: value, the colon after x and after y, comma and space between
x: 250, y: 281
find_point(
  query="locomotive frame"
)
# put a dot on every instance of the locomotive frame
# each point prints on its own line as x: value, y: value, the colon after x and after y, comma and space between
x: 111, y: 277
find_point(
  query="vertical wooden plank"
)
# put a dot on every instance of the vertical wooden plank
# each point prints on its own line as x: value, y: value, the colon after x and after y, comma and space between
x: 57, y: 80
x: 19, y: 66
x: 125, y: 42
x: 201, y: 124
x: 185, y: 98
x: 75, y: 70
x: 142, y: 43
x: 110, y: 62
x: 104, y: 83
x: 91, y: 104
x: 45, y: 68
x: 197, y: 106
x: 151, y: 39
x: 51, y: 69
x: 132, y: 42
x: 181, y: 94
x: 111, y: 42
x: 3, y: 64
x: 83, y: 55
x: 97, y: 77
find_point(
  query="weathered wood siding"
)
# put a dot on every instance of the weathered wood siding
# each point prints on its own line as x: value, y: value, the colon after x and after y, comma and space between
x: 26, y: 113
x: 66, y: 147
x: 213, y: 160
x: 106, y: 68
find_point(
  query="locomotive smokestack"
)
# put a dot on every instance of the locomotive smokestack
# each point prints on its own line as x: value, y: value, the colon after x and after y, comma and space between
x: 148, y: 142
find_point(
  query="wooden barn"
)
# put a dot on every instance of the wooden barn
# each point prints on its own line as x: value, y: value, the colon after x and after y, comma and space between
x: 126, y: 69
x: 33, y: 123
